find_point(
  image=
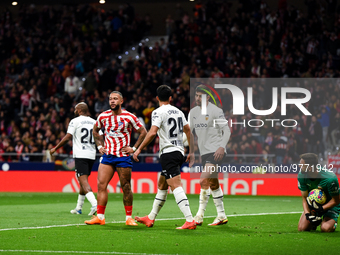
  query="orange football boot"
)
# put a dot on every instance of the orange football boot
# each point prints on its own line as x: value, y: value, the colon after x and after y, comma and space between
x: 131, y: 222
x: 145, y: 220
x: 188, y: 225
x: 95, y: 221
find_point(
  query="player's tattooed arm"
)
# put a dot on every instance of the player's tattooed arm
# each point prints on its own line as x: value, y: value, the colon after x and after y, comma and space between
x: 99, y: 140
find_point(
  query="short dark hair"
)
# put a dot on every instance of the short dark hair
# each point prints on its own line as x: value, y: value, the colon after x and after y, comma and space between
x: 310, y: 159
x: 164, y: 93
x: 117, y: 92
x: 203, y: 89
x: 83, y: 107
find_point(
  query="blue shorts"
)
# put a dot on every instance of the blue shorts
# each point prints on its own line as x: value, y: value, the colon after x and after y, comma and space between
x: 116, y: 161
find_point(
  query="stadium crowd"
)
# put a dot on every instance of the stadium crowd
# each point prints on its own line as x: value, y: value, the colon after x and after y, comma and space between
x: 45, y: 53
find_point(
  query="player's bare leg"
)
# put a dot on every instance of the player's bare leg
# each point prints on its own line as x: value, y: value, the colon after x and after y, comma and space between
x: 125, y: 180
x: 157, y: 203
x: 84, y: 184
x: 182, y: 201
x: 105, y: 174
x: 328, y: 225
x: 87, y: 191
x: 304, y: 224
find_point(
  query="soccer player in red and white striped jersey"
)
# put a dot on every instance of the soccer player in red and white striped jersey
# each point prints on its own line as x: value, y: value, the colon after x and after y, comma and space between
x: 118, y: 130
x: 118, y: 125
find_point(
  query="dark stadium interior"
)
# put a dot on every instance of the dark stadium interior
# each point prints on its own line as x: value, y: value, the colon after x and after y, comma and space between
x: 46, y: 50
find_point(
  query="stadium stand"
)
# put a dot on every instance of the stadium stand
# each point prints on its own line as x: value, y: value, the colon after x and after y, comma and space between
x: 52, y: 58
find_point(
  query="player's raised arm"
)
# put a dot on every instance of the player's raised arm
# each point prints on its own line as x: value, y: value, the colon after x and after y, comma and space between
x: 98, y: 139
x: 149, y: 137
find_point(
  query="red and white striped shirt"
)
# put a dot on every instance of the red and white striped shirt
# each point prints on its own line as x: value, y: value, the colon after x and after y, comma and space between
x: 117, y: 130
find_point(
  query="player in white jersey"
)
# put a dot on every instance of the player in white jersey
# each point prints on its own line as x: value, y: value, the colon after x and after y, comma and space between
x: 118, y: 125
x: 169, y: 123
x: 84, y: 152
x: 213, y: 137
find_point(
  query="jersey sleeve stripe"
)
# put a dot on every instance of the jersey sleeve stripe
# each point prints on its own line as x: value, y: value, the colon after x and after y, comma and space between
x: 133, y: 120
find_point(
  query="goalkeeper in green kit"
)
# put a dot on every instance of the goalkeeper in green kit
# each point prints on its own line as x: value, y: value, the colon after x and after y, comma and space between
x: 313, y: 176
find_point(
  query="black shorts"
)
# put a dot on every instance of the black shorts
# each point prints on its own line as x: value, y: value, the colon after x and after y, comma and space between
x: 171, y: 164
x: 209, y: 158
x: 83, y: 166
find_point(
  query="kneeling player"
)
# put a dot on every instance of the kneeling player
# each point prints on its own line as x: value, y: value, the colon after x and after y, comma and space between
x: 169, y: 122
x: 311, y: 177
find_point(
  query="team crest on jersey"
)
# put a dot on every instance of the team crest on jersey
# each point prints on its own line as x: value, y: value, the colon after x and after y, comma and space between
x: 207, y: 117
x: 120, y: 124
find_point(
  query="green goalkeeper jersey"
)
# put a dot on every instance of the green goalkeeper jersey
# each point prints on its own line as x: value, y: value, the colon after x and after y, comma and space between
x: 327, y: 181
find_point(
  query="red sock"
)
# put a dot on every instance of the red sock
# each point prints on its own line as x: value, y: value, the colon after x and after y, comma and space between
x: 101, y: 209
x: 128, y: 210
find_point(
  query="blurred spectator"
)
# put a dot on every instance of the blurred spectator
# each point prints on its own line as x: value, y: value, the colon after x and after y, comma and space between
x: 72, y: 84
x: 314, y: 137
x: 334, y: 130
x: 147, y: 114
x: 101, y: 105
x: 279, y: 146
x: 90, y: 83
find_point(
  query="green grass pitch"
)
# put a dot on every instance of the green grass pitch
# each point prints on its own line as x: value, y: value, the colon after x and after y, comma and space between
x: 40, y: 223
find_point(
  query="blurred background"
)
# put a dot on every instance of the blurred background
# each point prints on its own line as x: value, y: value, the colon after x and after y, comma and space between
x: 54, y: 56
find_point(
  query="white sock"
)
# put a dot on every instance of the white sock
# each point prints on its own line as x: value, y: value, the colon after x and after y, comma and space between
x: 92, y: 199
x: 183, y: 203
x: 80, y: 202
x: 204, y: 199
x: 101, y: 216
x: 127, y: 217
x: 158, y: 203
x: 218, y: 201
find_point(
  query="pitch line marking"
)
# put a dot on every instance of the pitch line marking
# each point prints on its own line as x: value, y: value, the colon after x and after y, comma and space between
x: 116, y: 222
x: 81, y: 252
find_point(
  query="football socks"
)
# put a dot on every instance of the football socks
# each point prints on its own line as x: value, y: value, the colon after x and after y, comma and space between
x: 204, y: 199
x: 101, y: 211
x: 80, y: 202
x: 183, y: 203
x: 128, y: 211
x: 218, y: 201
x: 158, y: 203
x: 92, y: 199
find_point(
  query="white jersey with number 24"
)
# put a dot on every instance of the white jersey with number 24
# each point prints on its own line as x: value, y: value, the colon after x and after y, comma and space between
x: 170, y: 121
